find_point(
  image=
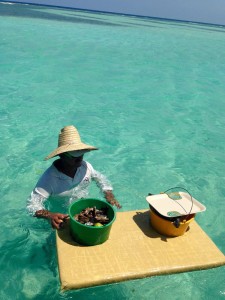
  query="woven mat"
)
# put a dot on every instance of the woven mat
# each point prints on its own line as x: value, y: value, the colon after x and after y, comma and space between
x: 133, y: 250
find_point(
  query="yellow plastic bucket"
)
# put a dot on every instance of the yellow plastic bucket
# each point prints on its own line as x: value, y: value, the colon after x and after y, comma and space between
x: 166, y: 227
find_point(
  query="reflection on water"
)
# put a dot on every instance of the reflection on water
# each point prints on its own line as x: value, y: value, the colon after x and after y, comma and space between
x: 148, y: 93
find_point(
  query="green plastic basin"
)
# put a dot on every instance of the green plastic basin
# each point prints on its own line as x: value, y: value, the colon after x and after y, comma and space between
x: 90, y: 235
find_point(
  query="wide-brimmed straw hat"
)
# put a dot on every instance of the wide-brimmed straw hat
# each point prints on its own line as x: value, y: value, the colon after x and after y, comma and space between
x: 69, y: 140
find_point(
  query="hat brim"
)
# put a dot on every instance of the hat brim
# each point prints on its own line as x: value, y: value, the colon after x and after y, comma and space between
x: 70, y: 147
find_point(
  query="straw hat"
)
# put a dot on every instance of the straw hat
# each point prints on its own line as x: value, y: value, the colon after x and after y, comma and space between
x: 69, y: 140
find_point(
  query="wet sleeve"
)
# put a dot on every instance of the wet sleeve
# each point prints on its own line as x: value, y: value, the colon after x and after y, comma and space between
x: 35, y: 202
x: 40, y: 194
x: 102, y: 182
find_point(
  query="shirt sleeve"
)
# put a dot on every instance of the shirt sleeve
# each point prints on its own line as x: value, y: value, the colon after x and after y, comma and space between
x: 35, y: 202
x: 102, y: 182
x: 40, y: 194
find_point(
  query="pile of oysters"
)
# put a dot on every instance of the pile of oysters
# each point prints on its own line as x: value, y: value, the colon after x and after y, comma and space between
x: 91, y: 216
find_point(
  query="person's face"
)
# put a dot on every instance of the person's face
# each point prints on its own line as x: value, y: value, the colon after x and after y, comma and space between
x: 71, y: 161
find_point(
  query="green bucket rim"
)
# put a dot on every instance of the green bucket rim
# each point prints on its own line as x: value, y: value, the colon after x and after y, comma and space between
x: 92, y: 227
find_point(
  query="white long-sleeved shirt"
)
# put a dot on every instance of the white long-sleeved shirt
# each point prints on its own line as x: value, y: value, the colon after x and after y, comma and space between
x: 56, y: 183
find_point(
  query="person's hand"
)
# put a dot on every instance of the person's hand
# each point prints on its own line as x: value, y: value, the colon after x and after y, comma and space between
x: 57, y: 220
x: 111, y: 199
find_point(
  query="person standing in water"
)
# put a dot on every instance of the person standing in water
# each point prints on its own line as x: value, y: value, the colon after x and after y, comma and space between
x: 68, y: 176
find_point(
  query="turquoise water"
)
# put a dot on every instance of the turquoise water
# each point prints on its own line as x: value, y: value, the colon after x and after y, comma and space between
x: 149, y: 93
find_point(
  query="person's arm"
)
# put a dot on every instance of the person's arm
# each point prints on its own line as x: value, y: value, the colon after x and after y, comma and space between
x: 36, y: 201
x: 36, y: 207
x: 105, y: 186
x: 57, y: 220
x: 109, y: 196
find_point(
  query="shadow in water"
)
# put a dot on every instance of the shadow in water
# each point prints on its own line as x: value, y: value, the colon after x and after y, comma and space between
x: 56, y: 14
x: 67, y: 14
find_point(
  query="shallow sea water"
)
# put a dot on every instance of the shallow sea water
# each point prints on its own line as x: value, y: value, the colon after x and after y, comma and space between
x: 149, y: 93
